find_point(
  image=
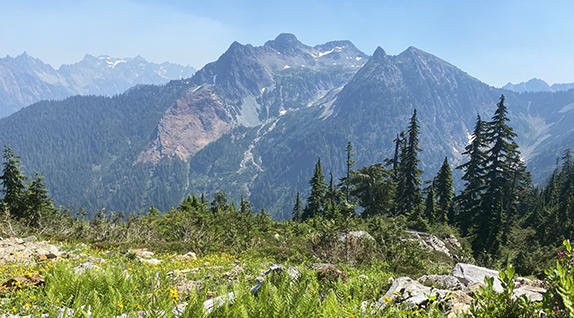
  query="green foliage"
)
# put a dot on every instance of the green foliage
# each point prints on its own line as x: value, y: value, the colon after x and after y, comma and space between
x: 297, y: 208
x: 560, y: 295
x: 409, y: 196
x: 331, y: 275
x: 13, y: 179
x: 316, y: 200
x: 474, y: 178
x: 374, y: 189
x: 444, y: 192
x: 30, y: 202
x: 488, y: 303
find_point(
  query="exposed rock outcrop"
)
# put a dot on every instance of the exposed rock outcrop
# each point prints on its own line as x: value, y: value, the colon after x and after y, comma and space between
x: 18, y: 249
x: 193, y: 122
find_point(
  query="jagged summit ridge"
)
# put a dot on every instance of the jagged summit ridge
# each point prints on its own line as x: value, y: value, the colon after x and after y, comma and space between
x: 255, y: 84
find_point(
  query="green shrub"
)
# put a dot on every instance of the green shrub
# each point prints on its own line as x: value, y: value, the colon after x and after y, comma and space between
x: 489, y: 303
x: 560, y: 295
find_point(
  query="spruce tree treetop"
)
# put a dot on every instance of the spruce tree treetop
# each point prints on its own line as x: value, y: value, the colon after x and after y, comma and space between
x: 316, y: 200
x: 474, y: 174
x: 409, y: 196
x: 12, y: 181
x: 444, y: 191
x: 297, y: 208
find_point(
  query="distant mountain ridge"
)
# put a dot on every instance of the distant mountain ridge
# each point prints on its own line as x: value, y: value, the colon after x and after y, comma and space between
x: 25, y: 80
x: 254, y: 122
x: 537, y: 85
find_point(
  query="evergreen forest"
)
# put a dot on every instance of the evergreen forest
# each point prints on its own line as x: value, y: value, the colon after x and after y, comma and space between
x: 501, y: 219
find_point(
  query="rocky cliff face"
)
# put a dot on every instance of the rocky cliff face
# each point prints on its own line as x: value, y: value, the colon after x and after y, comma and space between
x: 249, y: 85
x: 25, y: 80
x: 193, y: 122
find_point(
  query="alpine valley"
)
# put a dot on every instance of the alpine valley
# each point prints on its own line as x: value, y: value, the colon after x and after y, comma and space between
x: 254, y: 122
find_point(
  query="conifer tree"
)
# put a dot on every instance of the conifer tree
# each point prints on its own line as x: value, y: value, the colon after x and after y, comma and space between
x: 38, y: 202
x: 316, y: 200
x: 474, y: 174
x: 12, y: 181
x: 333, y: 200
x: 430, y: 212
x: 504, y: 171
x: 374, y: 189
x: 350, y: 163
x: 297, y: 208
x: 409, y: 196
x: 398, y: 142
x: 245, y: 207
x: 444, y: 192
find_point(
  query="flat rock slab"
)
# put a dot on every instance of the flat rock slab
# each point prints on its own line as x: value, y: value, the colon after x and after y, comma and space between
x: 531, y: 292
x: 467, y: 274
x: 442, y: 281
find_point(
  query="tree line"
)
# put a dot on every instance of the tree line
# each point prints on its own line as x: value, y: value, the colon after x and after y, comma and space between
x: 497, y: 187
x: 499, y: 212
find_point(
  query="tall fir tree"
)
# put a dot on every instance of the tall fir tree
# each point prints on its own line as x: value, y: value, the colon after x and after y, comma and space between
x: 38, y: 202
x: 409, y: 196
x: 444, y: 192
x: 374, y: 188
x: 297, y: 208
x: 316, y: 200
x: 430, y: 212
x: 504, y: 170
x: 12, y: 181
x: 349, y: 164
x: 398, y: 143
x: 474, y: 178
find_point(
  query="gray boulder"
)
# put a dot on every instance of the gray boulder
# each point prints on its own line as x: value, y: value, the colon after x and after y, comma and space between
x: 533, y: 293
x: 467, y: 274
x: 442, y: 281
x: 354, y: 235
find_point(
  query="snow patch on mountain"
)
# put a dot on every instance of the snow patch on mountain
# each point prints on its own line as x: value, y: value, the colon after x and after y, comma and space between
x: 566, y: 108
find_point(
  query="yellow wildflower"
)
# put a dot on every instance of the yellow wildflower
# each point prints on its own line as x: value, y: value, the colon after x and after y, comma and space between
x: 173, y: 295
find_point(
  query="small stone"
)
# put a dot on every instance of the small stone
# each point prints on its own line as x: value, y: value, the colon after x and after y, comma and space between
x: 80, y: 269
x: 30, y: 239
x: 42, y: 258
x: 96, y: 260
x: 146, y: 254
x: 191, y: 256
x: 151, y: 261
x: 318, y: 266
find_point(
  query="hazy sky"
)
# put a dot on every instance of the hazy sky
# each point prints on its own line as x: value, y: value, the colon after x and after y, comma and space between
x: 495, y: 41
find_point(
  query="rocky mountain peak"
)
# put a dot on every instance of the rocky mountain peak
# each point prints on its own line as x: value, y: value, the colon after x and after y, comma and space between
x: 379, y: 54
x: 533, y: 85
x: 343, y: 44
x: 287, y: 44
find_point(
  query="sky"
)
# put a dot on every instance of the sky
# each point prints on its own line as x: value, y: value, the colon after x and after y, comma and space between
x: 495, y: 41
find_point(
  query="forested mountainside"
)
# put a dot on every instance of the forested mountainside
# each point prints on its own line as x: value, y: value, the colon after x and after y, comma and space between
x: 25, y: 80
x: 254, y: 122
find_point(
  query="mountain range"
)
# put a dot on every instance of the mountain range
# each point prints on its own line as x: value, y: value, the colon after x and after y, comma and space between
x: 254, y: 122
x: 25, y: 80
x: 537, y: 85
